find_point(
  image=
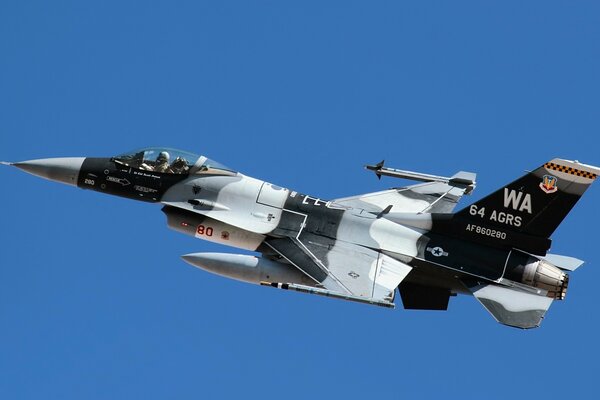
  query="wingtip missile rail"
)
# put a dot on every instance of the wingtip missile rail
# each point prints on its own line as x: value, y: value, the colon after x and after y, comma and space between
x: 379, y: 169
x: 466, y: 179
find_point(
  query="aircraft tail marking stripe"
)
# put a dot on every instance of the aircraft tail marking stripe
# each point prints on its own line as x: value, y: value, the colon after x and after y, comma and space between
x: 570, y: 170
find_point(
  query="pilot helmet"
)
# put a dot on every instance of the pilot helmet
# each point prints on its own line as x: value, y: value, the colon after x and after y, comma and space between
x: 163, y: 156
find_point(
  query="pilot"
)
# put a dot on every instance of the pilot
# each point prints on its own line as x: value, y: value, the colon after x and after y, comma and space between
x: 162, y: 163
x: 180, y: 166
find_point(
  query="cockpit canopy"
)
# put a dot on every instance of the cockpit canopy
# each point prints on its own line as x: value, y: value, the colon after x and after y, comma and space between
x: 171, y: 161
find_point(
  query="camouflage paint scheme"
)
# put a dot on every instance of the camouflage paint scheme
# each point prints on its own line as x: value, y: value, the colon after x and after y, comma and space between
x: 360, y: 248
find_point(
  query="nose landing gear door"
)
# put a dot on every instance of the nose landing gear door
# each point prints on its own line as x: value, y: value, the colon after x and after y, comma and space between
x: 269, y: 204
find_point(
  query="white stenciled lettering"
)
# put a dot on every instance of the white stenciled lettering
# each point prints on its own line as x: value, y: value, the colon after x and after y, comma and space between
x: 486, y: 231
x: 517, y: 201
x: 315, y: 201
x: 526, y: 204
x: 509, y: 219
x: 517, y: 221
x: 505, y: 218
x: 473, y: 210
x: 144, y: 189
x: 511, y: 198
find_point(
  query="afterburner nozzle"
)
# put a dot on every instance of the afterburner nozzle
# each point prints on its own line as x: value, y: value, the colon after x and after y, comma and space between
x: 63, y: 170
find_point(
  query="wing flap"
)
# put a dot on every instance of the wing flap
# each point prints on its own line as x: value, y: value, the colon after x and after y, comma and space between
x: 389, y: 275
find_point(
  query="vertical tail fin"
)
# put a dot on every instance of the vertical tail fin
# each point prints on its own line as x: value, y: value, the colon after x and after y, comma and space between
x: 535, y: 204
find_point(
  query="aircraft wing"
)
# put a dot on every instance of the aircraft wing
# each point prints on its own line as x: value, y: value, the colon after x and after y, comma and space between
x: 430, y: 197
x: 343, y: 270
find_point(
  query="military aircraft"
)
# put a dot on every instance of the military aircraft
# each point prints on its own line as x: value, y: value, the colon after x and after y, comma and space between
x: 359, y: 248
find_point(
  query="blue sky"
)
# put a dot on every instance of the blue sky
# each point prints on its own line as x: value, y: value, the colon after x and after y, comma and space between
x: 95, y: 302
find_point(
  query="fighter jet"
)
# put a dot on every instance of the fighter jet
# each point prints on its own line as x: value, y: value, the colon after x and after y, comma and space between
x: 362, y: 248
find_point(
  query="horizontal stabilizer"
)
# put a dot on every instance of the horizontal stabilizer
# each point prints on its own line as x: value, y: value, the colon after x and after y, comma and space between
x: 512, y: 307
x: 564, y: 262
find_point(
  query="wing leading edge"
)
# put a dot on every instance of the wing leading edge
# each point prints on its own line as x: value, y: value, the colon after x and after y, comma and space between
x: 440, y: 196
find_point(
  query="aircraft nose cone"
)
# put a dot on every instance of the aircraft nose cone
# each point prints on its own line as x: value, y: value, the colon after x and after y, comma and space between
x: 64, y: 170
